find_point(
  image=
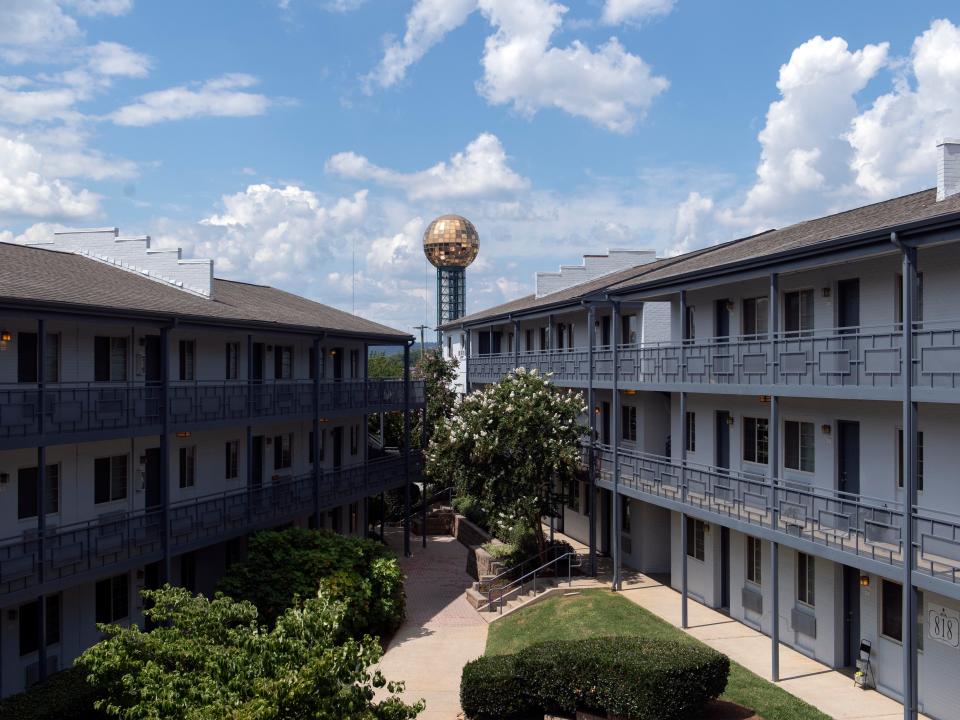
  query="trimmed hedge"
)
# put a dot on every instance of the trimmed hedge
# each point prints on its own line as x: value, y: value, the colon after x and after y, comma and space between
x: 491, y: 690
x: 282, y: 564
x: 65, y: 695
x: 630, y: 677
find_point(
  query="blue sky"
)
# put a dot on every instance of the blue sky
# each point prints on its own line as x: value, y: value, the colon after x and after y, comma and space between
x: 307, y: 143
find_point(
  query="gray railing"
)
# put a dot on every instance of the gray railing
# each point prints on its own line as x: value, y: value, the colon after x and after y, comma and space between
x: 135, y: 538
x: 860, y: 525
x: 860, y: 357
x: 80, y: 408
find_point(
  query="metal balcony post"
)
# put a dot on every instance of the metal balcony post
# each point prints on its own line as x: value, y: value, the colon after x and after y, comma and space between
x: 684, y: 617
x: 516, y: 344
x: 249, y: 432
x: 165, y: 449
x: 591, y: 449
x: 317, y: 471
x: 773, y: 460
x: 41, y: 506
x: 467, y: 356
x: 909, y: 619
x: 406, y: 449
x: 615, y: 540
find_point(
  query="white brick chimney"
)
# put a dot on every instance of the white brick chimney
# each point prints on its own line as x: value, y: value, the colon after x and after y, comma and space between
x: 948, y: 168
x: 593, y: 266
x: 134, y: 254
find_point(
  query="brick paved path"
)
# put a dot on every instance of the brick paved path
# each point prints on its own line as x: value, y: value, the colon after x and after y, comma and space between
x: 441, y: 633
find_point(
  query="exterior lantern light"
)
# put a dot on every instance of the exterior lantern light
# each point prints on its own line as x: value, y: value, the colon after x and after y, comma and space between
x: 865, y: 581
x: 826, y: 428
x: 5, y: 336
x: 183, y: 434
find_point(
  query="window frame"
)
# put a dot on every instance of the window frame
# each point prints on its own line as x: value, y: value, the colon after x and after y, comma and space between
x: 628, y: 423
x: 754, y: 569
x: 113, y: 481
x: 117, y: 349
x: 696, y: 539
x: 760, y: 441
x: 52, y: 494
x: 899, y: 451
x: 187, y: 461
x: 798, y: 437
x: 231, y: 470
x: 691, y: 421
x: 116, y: 585
x: 753, y: 318
x: 283, y: 451
x: 806, y: 580
x: 187, y: 357
x: 805, y: 310
x: 232, y: 367
x: 52, y: 622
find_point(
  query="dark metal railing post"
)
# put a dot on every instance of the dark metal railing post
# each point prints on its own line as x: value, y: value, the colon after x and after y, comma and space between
x: 684, y: 617
x: 165, y: 450
x: 406, y: 449
x: 773, y: 460
x: 317, y: 471
x: 41, y: 506
x: 592, y: 451
x: 249, y: 432
x: 615, y: 543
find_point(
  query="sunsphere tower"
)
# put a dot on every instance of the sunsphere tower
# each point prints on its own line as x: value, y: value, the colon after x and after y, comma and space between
x: 451, y: 243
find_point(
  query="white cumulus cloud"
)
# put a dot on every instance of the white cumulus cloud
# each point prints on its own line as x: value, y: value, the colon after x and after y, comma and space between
x: 25, y: 189
x: 221, y: 97
x: 619, y: 11
x: 481, y: 169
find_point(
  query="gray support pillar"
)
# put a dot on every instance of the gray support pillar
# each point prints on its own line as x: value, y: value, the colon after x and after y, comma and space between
x: 383, y: 512
x: 592, y: 449
x: 466, y: 351
x: 165, y: 448
x: 249, y: 432
x: 684, y: 616
x: 516, y: 343
x: 773, y: 456
x: 424, y: 430
x: 317, y: 471
x: 406, y: 449
x: 41, y: 507
x: 909, y: 622
x: 617, y: 520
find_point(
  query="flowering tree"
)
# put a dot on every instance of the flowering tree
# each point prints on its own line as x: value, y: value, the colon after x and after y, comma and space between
x: 508, y: 443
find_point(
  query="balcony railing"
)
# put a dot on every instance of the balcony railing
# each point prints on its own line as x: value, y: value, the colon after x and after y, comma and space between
x: 857, y: 357
x: 81, y: 408
x: 859, y: 525
x: 128, y: 539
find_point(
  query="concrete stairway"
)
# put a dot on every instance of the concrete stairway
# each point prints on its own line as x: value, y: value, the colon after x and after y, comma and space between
x: 516, y: 597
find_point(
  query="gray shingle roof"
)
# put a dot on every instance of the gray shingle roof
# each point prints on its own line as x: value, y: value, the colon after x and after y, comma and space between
x: 38, y: 276
x: 888, y: 214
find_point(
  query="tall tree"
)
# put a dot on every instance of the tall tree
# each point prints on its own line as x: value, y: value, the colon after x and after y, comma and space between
x: 508, y: 444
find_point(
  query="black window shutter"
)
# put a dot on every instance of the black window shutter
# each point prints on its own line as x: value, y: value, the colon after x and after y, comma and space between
x: 27, y: 492
x: 101, y: 359
x: 26, y: 357
x: 101, y: 480
x: 103, y: 601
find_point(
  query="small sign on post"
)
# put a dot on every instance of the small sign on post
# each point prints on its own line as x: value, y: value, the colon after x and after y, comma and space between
x: 943, y: 625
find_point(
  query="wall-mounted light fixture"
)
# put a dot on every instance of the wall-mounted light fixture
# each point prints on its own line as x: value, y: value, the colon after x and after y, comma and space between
x: 630, y: 392
x: 6, y: 336
x: 183, y: 434
x: 825, y: 292
x: 864, y: 581
x: 596, y: 410
x: 826, y: 428
x: 765, y: 399
x: 730, y: 420
x: 729, y: 306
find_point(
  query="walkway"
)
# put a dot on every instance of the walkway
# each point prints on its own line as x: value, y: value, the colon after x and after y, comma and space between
x: 441, y: 633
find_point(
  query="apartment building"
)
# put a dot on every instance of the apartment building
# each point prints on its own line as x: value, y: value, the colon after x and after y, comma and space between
x: 774, y: 426
x: 151, y: 418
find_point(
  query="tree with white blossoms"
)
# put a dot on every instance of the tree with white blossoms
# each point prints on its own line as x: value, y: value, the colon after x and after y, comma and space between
x: 508, y: 444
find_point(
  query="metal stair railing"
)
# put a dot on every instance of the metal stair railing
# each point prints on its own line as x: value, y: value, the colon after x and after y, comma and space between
x: 531, y: 576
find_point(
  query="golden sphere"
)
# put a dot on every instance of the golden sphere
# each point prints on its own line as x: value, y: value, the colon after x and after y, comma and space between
x: 451, y: 241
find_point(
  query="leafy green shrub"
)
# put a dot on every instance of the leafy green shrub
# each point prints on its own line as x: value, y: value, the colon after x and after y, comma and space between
x: 64, y: 696
x: 490, y: 690
x: 500, y: 551
x: 632, y: 677
x: 296, y: 562
x: 638, y: 678
x: 470, y: 508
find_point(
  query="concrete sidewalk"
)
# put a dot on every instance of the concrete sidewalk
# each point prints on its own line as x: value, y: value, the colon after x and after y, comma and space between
x: 441, y: 633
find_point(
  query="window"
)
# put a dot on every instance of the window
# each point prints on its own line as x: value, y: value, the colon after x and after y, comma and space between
x: 450, y: 345
x: 283, y: 362
x: 628, y: 327
x: 110, y: 359
x: 529, y: 341
x: 283, y: 451
x: 798, y: 312
x: 689, y: 330
x: 756, y: 313
x: 188, y: 466
x: 918, y: 300
x: 354, y: 363
x: 691, y: 421
x: 806, y: 579
x: 798, y: 450
x: 311, y: 450
x: 605, y: 331
x: 573, y: 495
x: 900, y: 459
x: 754, y: 561
x: 27, y: 479
x: 755, y: 439
x: 188, y: 571
x: 232, y: 371
x: 29, y: 620
x: 354, y: 439
x: 312, y: 363
x: 113, y: 599
x: 891, y: 610
x: 354, y: 517
x: 323, y: 443
x: 696, y: 531
x: 628, y: 417
x: 109, y: 479
x: 188, y: 363
x: 543, y: 339
x: 232, y: 460
x: 27, y: 358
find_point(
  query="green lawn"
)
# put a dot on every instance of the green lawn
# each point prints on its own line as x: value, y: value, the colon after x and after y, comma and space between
x: 595, y: 613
